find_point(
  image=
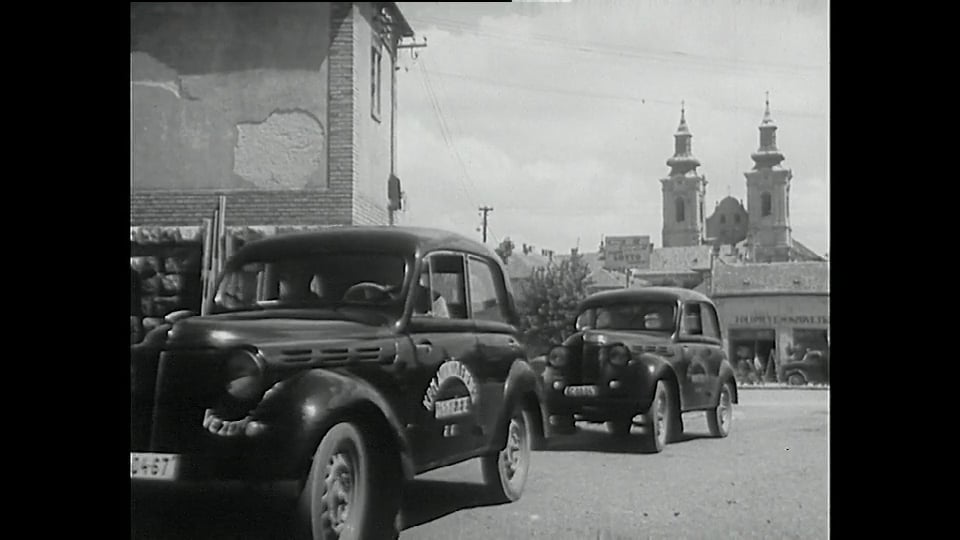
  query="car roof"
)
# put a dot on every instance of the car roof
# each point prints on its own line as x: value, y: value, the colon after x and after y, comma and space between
x: 670, y: 294
x: 405, y: 240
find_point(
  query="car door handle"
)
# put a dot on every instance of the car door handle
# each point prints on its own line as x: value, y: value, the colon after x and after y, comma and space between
x: 424, y: 345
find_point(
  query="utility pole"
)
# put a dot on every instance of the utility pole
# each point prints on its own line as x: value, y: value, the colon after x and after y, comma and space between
x: 486, y: 210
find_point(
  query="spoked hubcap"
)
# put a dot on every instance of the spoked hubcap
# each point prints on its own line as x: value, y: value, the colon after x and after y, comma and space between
x: 511, y: 458
x: 339, y: 494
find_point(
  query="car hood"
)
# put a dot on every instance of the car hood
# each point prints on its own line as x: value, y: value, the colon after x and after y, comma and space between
x: 220, y: 331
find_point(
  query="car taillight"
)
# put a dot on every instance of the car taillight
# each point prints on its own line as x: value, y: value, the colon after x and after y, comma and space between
x: 558, y: 357
x: 618, y: 355
x: 244, y: 376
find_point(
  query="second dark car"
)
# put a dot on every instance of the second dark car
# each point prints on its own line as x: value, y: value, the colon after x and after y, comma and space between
x: 655, y: 352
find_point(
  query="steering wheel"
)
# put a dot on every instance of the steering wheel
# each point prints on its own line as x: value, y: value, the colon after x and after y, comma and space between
x: 366, y: 291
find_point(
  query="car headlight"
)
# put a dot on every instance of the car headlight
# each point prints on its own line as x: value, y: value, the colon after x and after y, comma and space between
x: 244, y: 376
x: 558, y: 357
x: 618, y: 355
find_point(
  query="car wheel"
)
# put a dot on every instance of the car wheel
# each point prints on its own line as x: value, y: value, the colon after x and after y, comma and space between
x: 657, y: 420
x: 351, y: 492
x: 796, y: 379
x: 620, y: 427
x: 505, y: 472
x: 720, y: 418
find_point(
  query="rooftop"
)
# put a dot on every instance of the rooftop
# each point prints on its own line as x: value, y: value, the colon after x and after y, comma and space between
x: 520, y: 266
x: 766, y: 278
x: 680, y: 259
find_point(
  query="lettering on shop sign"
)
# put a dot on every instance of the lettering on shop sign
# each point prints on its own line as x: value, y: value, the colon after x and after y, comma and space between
x: 781, y: 319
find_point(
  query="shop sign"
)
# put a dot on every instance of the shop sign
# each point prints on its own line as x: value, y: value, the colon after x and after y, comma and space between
x: 761, y: 319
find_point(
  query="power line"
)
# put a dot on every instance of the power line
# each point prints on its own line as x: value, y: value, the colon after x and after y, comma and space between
x: 575, y: 93
x: 606, y: 48
x: 673, y: 58
x: 463, y: 167
x: 444, y: 131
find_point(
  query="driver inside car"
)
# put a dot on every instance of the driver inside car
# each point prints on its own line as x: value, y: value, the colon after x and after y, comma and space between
x: 295, y: 288
x: 437, y: 308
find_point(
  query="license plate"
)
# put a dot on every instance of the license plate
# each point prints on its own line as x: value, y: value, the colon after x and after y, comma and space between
x: 580, y: 391
x: 149, y: 466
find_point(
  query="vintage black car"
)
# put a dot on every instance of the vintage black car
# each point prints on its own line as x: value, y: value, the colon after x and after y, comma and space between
x: 656, y: 352
x: 348, y: 360
x: 813, y: 368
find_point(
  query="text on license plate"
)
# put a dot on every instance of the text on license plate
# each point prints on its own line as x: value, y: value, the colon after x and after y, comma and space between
x: 580, y: 391
x: 150, y: 466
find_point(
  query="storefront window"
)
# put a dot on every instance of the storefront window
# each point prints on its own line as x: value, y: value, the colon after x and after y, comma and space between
x: 807, y: 339
x: 750, y: 350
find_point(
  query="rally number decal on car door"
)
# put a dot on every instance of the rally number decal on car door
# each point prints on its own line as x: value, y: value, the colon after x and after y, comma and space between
x: 452, y: 392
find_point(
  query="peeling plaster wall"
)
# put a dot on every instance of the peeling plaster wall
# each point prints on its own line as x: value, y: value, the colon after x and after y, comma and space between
x: 280, y: 152
x: 229, y: 95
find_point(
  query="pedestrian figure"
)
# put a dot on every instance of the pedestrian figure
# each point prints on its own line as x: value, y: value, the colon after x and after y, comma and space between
x: 771, y: 373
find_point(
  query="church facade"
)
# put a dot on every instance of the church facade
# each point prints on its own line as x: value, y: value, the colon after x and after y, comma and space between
x: 758, y: 231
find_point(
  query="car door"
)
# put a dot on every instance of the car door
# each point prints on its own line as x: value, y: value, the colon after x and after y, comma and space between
x: 691, y: 367
x: 715, y: 353
x: 498, y: 338
x: 447, y: 400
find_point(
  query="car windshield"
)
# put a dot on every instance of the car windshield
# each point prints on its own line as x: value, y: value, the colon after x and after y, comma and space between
x: 648, y: 316
x: 329, y: 280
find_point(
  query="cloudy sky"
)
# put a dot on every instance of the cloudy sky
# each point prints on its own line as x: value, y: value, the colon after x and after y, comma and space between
x: 560, y: 115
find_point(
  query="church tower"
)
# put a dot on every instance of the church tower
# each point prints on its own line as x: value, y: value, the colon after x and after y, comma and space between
x: 683, y: 193
x: 768, y: 197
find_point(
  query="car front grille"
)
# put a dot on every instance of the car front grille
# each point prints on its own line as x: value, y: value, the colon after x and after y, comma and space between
x: 188, y: 383
x: 590, y: 364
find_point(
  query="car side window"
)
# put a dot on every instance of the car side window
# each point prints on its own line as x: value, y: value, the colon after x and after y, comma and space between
x: 440, y: 288
x: 711, y: 324
x: 690, y: 323
x: 486, y: 291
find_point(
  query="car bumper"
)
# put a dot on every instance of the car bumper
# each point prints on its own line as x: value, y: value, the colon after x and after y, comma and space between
x: 590, y: 400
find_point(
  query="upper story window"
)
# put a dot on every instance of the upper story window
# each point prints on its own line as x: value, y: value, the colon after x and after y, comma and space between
x: 376, y: 57
x: 766, y: 204
x: 736, y: 218
x: 723, y: 218
x: 680, y: 210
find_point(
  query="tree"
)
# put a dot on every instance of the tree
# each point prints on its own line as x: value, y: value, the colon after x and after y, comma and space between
x: 505, y: 249
x: 549, y: 305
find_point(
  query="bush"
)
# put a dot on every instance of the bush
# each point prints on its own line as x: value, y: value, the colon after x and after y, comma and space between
x: 549, y: 306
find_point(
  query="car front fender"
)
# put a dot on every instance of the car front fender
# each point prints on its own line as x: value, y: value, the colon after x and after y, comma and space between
x: 650, y: 369
x: 524, y: 387
x: 320, y: 398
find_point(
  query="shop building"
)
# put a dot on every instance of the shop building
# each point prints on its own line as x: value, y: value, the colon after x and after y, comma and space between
x: 772, y: 311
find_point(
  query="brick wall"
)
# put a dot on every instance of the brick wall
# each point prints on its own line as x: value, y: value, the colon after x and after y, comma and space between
x: 254, y: 207
x: 367, y: 212
x: 343, y: 95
